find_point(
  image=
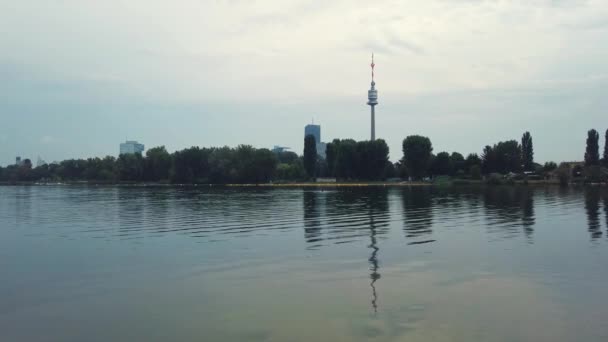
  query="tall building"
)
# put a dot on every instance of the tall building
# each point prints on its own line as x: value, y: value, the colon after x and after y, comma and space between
x: 372, y: 100
x: 315, y: 130
x: 131, y: 147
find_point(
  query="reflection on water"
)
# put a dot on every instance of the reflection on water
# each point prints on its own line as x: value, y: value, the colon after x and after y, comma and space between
x: 377, y: 206
x: 592, y: 206
x: 389, y: 264
x: 418, y: 214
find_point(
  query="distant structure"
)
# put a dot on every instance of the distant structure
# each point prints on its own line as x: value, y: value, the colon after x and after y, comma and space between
x: 40, y: 162
x: 279, y: 149
x: 18, y: 161
x: 372, y: 100
x: 131, y: 147
x: 315, y: 130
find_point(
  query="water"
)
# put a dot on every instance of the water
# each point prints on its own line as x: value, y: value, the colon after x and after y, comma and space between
x: 361, y: 264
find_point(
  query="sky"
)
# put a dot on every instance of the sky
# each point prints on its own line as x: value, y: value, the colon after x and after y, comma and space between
x: 79, y: 77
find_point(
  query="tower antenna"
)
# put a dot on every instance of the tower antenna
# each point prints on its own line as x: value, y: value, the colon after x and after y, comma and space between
x: 372, y: 101
x: 373, y: 65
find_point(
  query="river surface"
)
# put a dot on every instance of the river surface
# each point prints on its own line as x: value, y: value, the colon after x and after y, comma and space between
x: 86, y: 263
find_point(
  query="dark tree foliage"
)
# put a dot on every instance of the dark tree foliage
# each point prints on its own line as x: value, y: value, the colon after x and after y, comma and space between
x: 331, y: 152
x: 472, y: 160
x: 503, y: 157
x: 373, y: 159
x: 310, y: 155
x: 190, y: 165
x: 592, y: 154
x: 157, y: 164
x: 346, y: 159
x: 130, y: 167
x: 605, y: 160
x: 287, y: 157
x: 293, y: 171
x: 549, y: 166
x: 365, y: 160
x: 441, y: 164
x: 458, y: 164
x: 417, y: 152
x: 527, y: 152
x: 488, y: 160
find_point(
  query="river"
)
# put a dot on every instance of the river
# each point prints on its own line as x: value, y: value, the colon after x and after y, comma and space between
x: 106, y: 263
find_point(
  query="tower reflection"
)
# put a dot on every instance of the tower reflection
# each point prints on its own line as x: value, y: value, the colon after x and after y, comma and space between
x: 377, y: 211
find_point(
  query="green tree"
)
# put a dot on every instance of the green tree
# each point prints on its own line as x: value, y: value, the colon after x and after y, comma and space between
x: 417, y: 152
x: 549, y: 166
x: 527, y: 152
x: 592, y: 155
x: 458, y: 163
x: 488, y: 160
x: 310, y: 155
x: 471, y: 160
x: 331, y: 152
x: 508, y: 155
x: 441, y: 164
x: 346, y: 159
x: 265, y: 165
x: 130, y: 167
x: 564, y: 173
x: 503, y: 157
x: 157, y: 164
x: 475, y: 171
x: 191, y: 165
x: 222, y: 165
x: 287, y: 157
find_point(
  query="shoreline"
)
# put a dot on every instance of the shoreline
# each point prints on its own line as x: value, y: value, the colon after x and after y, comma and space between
x: 451, y: 184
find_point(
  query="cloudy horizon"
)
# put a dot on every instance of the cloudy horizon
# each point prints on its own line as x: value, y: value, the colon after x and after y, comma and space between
x: 81, y: 77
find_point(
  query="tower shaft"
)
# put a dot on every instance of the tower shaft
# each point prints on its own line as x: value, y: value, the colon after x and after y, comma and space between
x: 373, y: 123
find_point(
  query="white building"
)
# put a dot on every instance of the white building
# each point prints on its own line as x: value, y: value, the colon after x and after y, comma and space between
x: 131, y: 147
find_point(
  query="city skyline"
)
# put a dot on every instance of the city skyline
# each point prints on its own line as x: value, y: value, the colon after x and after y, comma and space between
x: 466, y: 74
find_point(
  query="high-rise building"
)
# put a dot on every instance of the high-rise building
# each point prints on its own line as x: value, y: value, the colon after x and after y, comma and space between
x: 314, y: 130
x: 372, y: 100
x: 131, y: 147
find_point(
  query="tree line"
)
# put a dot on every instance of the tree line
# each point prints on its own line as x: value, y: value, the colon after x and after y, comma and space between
x: 345, y: 159
x: 243, y: 164
x: 501, y: 158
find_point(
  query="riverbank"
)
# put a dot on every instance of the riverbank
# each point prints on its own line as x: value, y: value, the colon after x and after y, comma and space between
x: 451, y: 183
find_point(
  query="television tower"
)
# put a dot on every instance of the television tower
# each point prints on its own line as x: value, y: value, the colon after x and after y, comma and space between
x: 372, y: 100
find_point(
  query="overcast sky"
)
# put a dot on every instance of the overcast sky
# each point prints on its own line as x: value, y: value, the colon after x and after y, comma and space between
x: 78, y: 77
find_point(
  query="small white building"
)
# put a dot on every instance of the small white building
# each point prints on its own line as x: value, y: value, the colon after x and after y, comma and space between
x: 131, y: 147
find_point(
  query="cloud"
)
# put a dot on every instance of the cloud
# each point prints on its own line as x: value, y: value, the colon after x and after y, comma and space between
x: 109, y: 61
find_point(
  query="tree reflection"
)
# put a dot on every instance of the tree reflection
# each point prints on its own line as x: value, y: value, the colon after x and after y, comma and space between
x: 130, y: 211
x: 418, y: 214
x: 592, y: 207
x: 509, y: 208
x: 527, y: 205
x: 312, y: 216
x: 605, y: 200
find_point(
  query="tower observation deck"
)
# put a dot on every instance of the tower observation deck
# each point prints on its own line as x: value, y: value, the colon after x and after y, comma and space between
x: 372, y: 101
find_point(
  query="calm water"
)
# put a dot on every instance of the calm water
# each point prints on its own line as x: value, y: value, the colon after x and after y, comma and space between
x: 196, y: 264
